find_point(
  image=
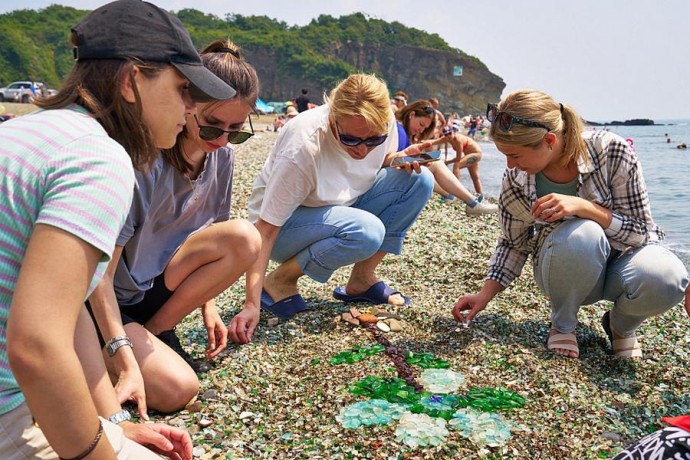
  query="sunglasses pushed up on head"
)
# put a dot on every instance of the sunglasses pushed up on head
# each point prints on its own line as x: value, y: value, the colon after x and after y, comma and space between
x: 210, y: 133
x: 505, y: 121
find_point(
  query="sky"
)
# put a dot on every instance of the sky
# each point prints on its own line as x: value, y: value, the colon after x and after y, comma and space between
x: 609, y: 59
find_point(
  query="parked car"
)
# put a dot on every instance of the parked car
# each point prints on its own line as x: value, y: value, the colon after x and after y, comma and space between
x: 23, y: 91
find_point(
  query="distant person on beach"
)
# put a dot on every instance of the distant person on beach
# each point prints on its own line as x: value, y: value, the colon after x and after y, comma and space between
x: 577, y: 202
x: 472, y: 127
x: 325, y: 200
x: 440, y: 118
x: 416, y: 122
x: 682, y: 146
x: 179, y: 248
x: 467, y: 154
x: 302, y: 101
x: 67, y: 186
x: 399, y: 100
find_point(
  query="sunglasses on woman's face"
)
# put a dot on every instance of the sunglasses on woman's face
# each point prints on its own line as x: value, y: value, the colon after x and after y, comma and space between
x: 211, y: 133
x: 505, y: 120
x: 352, y: 141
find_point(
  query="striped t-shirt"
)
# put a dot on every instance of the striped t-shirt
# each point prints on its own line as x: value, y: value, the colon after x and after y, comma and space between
x: 59, y: 168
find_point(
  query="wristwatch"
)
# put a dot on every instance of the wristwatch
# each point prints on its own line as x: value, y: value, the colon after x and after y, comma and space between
x: 120, y: 417
x: 116, y: 343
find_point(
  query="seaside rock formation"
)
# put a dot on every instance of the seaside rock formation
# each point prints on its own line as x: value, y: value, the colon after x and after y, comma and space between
x: 420, y: 72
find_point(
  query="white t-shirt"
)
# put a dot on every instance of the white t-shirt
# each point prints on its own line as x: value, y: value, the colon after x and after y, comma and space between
x: 309, y: 167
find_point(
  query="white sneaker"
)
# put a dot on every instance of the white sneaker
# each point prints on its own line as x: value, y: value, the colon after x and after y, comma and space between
x: 481, y: 208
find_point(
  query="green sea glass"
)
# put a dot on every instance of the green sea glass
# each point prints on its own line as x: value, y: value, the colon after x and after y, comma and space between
x: 443, y: 406
x: 426, y: 360
x: 391, y: 389
x: 492, y: 399
x: 356, y: 354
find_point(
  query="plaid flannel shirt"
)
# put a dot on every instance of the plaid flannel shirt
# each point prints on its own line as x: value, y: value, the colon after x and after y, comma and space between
x: 612, y: 179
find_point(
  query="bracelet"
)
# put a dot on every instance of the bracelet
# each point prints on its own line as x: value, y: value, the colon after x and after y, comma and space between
x: 120, y: 417
x: 116, y: 343
x: 91, y: 447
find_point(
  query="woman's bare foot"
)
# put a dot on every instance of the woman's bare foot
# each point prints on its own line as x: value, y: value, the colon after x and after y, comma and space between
x: 563, y: 344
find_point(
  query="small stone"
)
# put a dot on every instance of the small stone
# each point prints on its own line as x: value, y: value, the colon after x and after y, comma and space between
x: 204, y: 422
x: 246, y: 414
x: 348, y: 318
x: 383, y: 326
x: 354, y: 312
x: 386, y: 315
x: 368, y: 318
x: 273, y: 322
x: 374, y: 311
x: 209, y: 394
x: 394, y: 324
x: 194, y: 407
x: 611, y: 436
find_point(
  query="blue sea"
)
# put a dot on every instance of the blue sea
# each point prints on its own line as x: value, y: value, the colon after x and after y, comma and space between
x: 665, y: 167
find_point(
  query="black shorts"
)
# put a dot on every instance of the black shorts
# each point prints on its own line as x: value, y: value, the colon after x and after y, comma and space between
x: 143, y: 311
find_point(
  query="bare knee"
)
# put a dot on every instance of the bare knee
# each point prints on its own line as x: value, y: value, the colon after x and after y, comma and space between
x: 171, y: 393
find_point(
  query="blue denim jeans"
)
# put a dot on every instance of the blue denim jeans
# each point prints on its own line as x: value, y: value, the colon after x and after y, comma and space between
x: 577, y: 266
x: 326, y: 238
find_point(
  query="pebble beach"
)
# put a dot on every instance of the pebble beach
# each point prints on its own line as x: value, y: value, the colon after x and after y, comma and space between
x: 278, y: 397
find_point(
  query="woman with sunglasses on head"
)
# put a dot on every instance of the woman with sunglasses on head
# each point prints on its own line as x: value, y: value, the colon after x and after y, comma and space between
x: 67, y: 180
x: 179, y: 249
x: 323, y: 200
x: 416, y: 122
x: 577, y: 202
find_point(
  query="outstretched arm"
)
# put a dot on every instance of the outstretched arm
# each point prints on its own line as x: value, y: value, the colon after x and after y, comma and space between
x: 243, y: 324
x: 130, y: 382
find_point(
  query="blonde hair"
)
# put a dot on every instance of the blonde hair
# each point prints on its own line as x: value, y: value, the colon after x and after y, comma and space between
x: 539, y: 107
x: 363, y: 96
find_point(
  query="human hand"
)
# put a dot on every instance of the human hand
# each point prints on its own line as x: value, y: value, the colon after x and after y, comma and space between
x: 242, y: 326
x: 130, y: 387
x: 215, y: 329
x: 554, y: 206
x: 474, y: 303
x: 163, y: 439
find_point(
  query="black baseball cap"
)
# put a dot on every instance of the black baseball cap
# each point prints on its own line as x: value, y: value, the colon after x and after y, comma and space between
x: 134, y: 28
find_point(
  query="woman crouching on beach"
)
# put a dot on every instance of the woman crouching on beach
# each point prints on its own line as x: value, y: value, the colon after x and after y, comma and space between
x: 323, y: 200
x: 577, y: 202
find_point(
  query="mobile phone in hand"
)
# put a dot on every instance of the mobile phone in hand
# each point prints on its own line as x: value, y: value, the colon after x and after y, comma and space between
x: 422, y: 158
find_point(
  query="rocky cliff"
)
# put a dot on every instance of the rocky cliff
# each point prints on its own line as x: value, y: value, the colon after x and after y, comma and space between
x: 420, y: 72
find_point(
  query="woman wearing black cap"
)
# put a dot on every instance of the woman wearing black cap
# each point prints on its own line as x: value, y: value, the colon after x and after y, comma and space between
x: 67, y: 179
x: 179, y: 249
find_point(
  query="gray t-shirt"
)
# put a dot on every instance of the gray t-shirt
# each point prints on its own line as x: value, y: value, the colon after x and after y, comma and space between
x: 168, y: 208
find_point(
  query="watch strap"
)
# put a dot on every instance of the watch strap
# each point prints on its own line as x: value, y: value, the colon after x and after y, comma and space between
x: 116, y: 343
x: 120, y: 417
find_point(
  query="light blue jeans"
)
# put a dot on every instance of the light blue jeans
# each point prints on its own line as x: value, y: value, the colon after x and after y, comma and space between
x: 576, y: 266
x: 326, y: 238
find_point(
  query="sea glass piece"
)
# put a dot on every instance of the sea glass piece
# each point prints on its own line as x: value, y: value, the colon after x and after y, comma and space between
x: 368, y: 413
x: 391, y: 389
x: 356, y: 354
x: 492, y: 399
x: 415, y: 430
x: 482, y: 428
x: 443, y: 406
x: 426, y: 361
x: 441, y: 381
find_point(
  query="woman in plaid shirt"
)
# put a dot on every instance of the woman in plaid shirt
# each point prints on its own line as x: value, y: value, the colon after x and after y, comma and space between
x: 577, y: 202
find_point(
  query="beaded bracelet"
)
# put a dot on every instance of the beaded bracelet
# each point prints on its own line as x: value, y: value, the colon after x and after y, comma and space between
x: 91, y: 447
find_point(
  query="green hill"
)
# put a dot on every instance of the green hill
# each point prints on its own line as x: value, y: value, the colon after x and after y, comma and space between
x: 287, y: 58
